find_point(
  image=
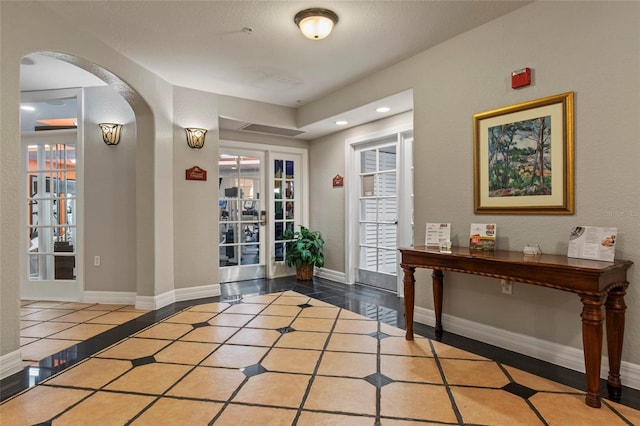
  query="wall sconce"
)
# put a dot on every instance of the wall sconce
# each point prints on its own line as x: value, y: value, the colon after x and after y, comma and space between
x: 110, y: 133
x: 316, y: 23
x: 195, y: 137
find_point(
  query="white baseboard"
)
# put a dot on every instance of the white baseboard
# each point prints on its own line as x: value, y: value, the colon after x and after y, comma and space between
x: 331, y: 275
x: 110, y: 297
x: 151, y: 303
x: 10, y: 363
x: 554, y: 353
x: 201, y: 292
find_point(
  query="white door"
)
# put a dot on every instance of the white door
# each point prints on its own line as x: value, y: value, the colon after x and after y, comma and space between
x: 242, y: 215
x: 287, y: 177
x: 380, y: 208
x: 51, y: 210
x: 378, y: 218
x: 262, y: 192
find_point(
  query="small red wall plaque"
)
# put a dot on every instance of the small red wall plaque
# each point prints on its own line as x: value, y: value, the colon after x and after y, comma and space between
x: 338, y: 181
x: 195, y: 173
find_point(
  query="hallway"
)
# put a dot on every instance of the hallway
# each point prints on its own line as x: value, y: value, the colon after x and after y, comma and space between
x: 284, y: 352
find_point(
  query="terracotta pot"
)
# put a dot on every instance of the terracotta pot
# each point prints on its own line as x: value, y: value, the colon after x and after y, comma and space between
x: 304, y: 272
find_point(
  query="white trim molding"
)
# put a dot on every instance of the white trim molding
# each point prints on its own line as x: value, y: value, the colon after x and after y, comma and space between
x: 331, y: 275
x: 563, y: 356
x: 10, y: 363
x: 110, y: 297
x: 200, y: 292
x: 151, y: 303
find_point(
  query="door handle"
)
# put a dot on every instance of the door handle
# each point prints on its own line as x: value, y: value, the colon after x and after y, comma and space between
x: 263, y: 218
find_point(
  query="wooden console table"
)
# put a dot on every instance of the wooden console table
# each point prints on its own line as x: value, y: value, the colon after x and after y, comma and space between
x: 597, y: 283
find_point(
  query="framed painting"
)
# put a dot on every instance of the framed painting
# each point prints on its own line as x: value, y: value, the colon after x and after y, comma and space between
x: 523, y: 158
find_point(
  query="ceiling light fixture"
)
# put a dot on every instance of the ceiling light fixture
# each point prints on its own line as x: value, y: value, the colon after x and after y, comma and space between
x: 316, y: 23
x: 383, y: 109
x: 110, y: 133
x: 342, y: 122
x: 195, y: 137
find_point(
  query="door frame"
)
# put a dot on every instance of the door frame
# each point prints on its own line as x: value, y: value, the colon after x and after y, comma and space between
x: 252, y: 271
x: 272, y: 269
x: 404, y: 153
x: 58, y: 290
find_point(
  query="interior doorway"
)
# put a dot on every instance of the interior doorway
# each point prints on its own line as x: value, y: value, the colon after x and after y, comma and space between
x: 379, y: 207
x: 262, y: 191
x: 242, y: 215
x: 51, y: 153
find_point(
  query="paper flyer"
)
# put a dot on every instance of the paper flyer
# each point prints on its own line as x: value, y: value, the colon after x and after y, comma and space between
x: 437, y: 233
x: 482, y: 236
x: 592, y: 242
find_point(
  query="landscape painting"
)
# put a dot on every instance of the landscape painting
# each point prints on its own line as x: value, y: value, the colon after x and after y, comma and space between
x: 520, y: 158
x: 523, y: 158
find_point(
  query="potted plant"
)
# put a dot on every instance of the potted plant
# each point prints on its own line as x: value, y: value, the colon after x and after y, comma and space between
x: 304, y: 250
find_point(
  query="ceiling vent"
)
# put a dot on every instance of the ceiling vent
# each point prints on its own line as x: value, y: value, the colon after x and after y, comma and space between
x: 279, y: 131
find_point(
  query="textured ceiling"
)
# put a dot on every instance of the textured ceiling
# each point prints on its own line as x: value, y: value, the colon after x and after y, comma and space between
x: 202, y: 45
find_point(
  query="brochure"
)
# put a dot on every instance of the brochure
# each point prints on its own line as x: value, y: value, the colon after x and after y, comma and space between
x: 482, y: 237
x: 592, y: 242
x: 437, y: 233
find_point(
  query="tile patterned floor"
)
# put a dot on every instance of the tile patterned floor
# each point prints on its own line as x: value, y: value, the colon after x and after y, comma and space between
x: 289, y: 359
x: 47, y: 328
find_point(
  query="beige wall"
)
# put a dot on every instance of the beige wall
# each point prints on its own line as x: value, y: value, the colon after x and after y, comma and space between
x: 590, y: 48
x: 109, y: 195
x: 327, y: 159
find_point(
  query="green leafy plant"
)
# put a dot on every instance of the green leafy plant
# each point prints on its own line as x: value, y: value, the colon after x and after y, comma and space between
x: 305, y: 247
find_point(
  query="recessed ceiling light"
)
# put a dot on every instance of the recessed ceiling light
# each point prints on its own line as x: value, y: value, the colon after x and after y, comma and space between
x: 27, y: 108
x: 342, y: 122
x: 383, y: 109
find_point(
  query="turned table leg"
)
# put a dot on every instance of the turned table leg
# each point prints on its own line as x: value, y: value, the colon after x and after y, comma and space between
x: 592, y: 320
x: 615, y: 307
x: 409, y: 299
x: 437, y: 277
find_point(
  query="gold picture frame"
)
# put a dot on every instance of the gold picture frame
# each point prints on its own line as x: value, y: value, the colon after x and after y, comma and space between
x: 523, y: 160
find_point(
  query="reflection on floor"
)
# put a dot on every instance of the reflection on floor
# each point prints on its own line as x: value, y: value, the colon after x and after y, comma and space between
x: 287, y: 353
x: 50, y: 327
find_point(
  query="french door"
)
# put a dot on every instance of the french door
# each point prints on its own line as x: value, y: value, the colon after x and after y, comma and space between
x: 261, y: 193
x: 52, y: 208
x: 379, y: 207
x: 242, y: 215
x: 378, y: 219
x: 287, y: 176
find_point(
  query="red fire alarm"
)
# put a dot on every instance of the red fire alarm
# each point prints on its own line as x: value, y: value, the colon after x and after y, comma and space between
x: 521, y: 78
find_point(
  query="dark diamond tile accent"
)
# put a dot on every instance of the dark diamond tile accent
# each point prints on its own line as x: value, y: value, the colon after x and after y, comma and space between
x: 304, y: 306
x: 379, y: 335
x: 143, y: 361
x: 519, y: 390
x: 378, y: 380
x: 253, y: 370
x: 284, y: 330
x: 200, y: 325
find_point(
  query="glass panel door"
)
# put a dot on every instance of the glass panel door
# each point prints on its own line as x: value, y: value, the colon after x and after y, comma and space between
x: 378, y: 218
x: 287, y: 202
x: 284, y: 204
x: 51, y: 207
x: 241, y: 216
x: 51, y: 215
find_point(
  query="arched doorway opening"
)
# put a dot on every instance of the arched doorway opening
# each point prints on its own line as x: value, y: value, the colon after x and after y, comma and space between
x: 113, y: 248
